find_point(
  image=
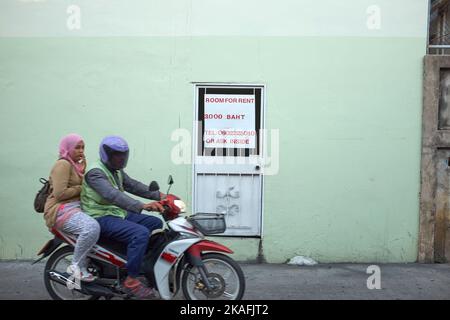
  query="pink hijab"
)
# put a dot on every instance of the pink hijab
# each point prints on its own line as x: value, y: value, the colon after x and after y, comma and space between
x: 66, y: 146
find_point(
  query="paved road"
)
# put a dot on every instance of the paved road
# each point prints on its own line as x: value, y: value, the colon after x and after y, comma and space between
x: 21, y: 280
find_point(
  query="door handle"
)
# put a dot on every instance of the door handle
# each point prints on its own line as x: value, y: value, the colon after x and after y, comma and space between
x: 257, y: 168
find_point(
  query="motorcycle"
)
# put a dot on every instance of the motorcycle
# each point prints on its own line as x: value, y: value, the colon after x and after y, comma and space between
x: 178, y: 257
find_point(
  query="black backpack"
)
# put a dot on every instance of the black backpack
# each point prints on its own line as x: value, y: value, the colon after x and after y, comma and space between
x: 42, y: 195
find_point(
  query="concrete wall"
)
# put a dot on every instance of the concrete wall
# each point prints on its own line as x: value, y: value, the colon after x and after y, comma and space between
x: 344, y: 91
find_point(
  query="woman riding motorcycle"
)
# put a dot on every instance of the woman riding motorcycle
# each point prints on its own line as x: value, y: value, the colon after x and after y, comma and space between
x: 62, y: 208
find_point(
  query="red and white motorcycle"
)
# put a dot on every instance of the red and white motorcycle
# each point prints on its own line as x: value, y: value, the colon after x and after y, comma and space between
x: 177, y: 257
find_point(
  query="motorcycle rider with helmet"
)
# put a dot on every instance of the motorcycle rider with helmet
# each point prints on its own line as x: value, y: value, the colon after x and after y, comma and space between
x: 103, y: 197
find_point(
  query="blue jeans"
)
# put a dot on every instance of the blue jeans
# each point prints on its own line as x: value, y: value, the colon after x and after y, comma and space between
x: 134, y: 231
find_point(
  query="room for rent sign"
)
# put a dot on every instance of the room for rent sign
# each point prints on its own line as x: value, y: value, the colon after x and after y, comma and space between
x: 229, y: 121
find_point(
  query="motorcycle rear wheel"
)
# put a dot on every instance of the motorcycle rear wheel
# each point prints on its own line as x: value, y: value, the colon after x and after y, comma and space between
x: 59, y: 261
x: 223, y: 272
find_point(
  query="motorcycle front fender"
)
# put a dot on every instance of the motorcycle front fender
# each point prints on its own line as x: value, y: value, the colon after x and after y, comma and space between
x: 169, y: 258
x: 194, y: 253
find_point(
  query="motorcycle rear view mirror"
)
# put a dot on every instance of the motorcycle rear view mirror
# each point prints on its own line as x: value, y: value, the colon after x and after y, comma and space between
x: 169, y: 182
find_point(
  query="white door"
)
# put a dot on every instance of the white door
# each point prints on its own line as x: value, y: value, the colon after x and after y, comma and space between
x: 227, y: 155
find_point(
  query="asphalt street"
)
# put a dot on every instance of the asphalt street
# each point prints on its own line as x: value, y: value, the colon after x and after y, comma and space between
x: 21, y: 280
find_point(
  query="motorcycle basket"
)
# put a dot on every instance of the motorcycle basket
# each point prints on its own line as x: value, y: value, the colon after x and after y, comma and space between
x: 208, y: 223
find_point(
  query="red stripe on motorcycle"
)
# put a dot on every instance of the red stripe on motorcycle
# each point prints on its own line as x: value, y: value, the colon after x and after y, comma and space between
x: 110, y: 257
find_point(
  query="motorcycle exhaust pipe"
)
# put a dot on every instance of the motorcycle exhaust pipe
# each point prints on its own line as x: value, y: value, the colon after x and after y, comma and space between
x: 65, y: 279
x: 83, y: 287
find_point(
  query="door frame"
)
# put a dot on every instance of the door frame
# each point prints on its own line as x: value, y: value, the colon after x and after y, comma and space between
x: 263, y: 140
x: 433, y: 139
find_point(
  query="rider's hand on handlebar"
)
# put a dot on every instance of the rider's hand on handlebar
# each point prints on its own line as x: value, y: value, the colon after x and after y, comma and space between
x: 153, y: 206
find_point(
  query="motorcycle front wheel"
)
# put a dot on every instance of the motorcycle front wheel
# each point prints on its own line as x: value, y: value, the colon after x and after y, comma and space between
x: 224, y: 274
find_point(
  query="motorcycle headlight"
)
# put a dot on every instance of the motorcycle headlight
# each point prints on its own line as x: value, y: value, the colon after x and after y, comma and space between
x: 181, y: 205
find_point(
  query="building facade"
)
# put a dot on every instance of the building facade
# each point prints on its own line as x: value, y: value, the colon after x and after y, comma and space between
x: 328, y: 93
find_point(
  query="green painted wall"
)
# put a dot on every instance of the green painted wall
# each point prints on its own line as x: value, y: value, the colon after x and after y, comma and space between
x: 348, y: 109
